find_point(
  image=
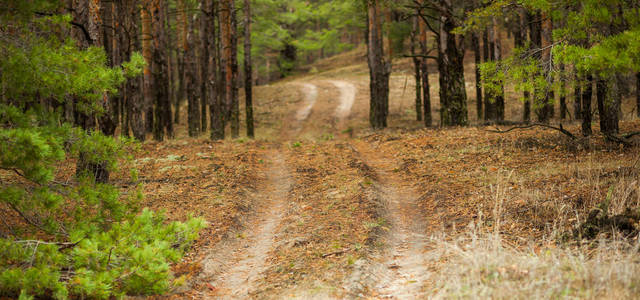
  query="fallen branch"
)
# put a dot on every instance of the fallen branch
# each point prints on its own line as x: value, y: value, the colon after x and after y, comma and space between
x: 336, y: 252
x: 560, y: 129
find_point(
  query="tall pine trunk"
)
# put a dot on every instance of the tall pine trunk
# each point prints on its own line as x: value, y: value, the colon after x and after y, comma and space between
x: 424, y: 73
x: 163, y: 125
x: 607, y: 109
x: 477, y: 55
x: 191, y: 82
x: 217, y: 108
x: 453, y: 95
x: 638, y: 94
x: 489, y: 99
x: 587, y: 92
x: 235, y: 104
x: 248, y: 71
x: 379, y: 69
x: 147, y: 52
x: 203, y: 63
x: 416, y: 67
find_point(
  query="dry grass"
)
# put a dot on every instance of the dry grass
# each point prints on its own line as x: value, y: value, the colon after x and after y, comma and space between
x: 483, y: 263
x: 485, y: 266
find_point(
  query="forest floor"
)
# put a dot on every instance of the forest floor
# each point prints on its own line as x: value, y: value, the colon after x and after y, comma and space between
x: 319, y: 206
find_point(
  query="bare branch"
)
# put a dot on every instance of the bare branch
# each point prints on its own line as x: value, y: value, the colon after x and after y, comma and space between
x: 560, y: 129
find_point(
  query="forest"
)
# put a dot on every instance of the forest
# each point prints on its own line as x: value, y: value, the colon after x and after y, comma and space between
x: 318, y: 149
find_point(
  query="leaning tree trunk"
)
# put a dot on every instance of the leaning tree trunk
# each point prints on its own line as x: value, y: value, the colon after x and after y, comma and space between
x: 248, y: 72
x: 453, y: 95
x: 379, y: 69
x: 563, y: 95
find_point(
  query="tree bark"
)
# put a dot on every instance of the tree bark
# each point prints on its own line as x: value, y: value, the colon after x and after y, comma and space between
x: 217, y: 108
x: 543, y: 28
x: 497, y: 56
x: 235, y: 104
x: 191, y: 82
x: 379, y: 69
x: 577, y: 95
x: 607, y: 109
x: 586, y: 106
x: 147, y: 52
x: 203, y: 64
x: 415, y: 31
x: 489, y: 100
x: 563, y: 95
x: 520, y: 36
x: 248, y: 71
x: 424, y: 73
x: 163, y: 124
x: 477, y: 55
x: 453, y: 95
x: 638, y: 94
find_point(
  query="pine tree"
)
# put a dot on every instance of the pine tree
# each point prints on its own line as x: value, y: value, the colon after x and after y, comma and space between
x: 80, y: 238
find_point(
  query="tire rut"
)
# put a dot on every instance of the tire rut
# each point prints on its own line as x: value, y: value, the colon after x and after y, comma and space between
x: 239, y: 268
x: 402, y: 269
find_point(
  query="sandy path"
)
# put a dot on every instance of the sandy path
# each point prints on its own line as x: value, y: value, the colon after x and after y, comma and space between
x: 310, y: 96
x: 347, y: 97
x: 404, y: 267
x: 241, y: 261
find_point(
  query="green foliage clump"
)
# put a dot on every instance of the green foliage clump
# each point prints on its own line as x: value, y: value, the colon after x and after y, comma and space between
x: 77, y: 238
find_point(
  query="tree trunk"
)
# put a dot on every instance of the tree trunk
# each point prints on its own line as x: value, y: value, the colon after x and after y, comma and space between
x: 248, y: 72
x: 497, y: 56
x: 107, y: 121
x: 453, y: 95
x: 563, y: 95
x: 607, y: 109
x: 147, y: 51
x: 415, y: 31
x: 477, y: 55
x: 217, y: 108
x: 520, y: 35
x: 577, y: 95
x: 638, y: 94
x: 424, y: 72
x: 543, y: 28
x: 488, y: 53
x: 191, y: 82
x: 379, y: 69
x: 235, y: 104
x: 203, y: 64
x: 163, y: 124
x: 586, y: 106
